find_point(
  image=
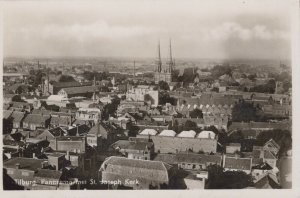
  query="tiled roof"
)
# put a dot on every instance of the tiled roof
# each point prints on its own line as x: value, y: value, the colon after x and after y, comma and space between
x: 272, y: 142
x: 198, y: 158
x: 238, y: 163
x: 35, y: 118
x: 40, y: 112
x: 259, y: 125
x: 100, y: 129
x: 133, y: 163
x: 132, y: 145
x: 269, y: 155
x: 60, y: 121
x: 25, y: 163
x: 81, y: 90
x: 82, y: 129
x: 47, y: 173
x: 17, y: 116
x: 66, y: 84
x: 20, y: 104
x: 167, y: 158
x: 267, y: 182
x: 56, y: 131
x: 6, y: 114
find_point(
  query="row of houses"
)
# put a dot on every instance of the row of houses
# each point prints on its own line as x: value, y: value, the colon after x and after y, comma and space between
x: 144, y: 171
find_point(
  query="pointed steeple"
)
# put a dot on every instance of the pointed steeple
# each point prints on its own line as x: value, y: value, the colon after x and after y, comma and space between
x: 159, y: 64
x: 171, y: 63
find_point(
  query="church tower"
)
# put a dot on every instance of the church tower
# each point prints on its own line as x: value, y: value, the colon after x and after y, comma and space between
x: 171, y: 62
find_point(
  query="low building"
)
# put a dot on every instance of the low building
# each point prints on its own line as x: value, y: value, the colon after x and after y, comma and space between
x: 165, y: 144
x: 136, y: 174
x: 33, y: 174
x: 135, y: 149
x: 143, y: 93
x: 237, y: 164
x: 21, y: 106
x: 50, y: 134
x: 17, y: 118
x: 193, y: 161
x: 101, y: 134
x: 88, y: 114
x: 35, y: 121
x: 83, y: 91
x: 69, y: 143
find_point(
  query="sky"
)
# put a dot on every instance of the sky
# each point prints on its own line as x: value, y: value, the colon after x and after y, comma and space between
x: 231, y: 29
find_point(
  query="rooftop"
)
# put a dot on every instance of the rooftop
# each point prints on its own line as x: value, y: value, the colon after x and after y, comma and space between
x: 238, y: 163
x: 190, y: 134
x: 169, y: 133
x: 132, y: 145
x: 25, y: 163
x: 148, y: 132
x: 134, y: 163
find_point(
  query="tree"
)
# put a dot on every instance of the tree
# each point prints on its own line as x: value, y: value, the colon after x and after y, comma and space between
x: 215, y: 89
x: 176, y: 126
x: 165, y: 98
x: 220, y: 70
x: 163, y: 85
x: 196, y: 113
x: 236, y: 137
x: 244, y: 112
x: 190, y: 125
x: 7, y: 126
x: 266, y: 88
x: 110, y: 109
x: 252, y: 77
x: 218, y: 179
x: 148, y: 98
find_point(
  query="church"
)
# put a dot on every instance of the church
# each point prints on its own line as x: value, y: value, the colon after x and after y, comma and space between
x: 166, y: 73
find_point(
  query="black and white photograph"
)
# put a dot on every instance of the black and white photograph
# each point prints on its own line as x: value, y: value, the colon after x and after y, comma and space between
x: 148, y: 95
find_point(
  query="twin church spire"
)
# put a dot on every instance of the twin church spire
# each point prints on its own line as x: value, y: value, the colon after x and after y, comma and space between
x: 170, y: 62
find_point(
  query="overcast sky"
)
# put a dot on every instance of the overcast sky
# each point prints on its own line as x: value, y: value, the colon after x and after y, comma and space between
x: 257, y: 29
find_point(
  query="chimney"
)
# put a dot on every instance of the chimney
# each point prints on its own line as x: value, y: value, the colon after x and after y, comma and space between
x: 68, y: 155
x: 18, y: 166
x: 44, y: 164
x: 56, y: 143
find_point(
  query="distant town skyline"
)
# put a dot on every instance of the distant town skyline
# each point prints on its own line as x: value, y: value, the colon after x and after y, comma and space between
x: 199, y: 29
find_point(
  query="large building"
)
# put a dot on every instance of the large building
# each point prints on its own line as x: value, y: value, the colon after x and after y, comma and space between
x: 164, y: 74
x: 143, y: 93
x: 136, y: 174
